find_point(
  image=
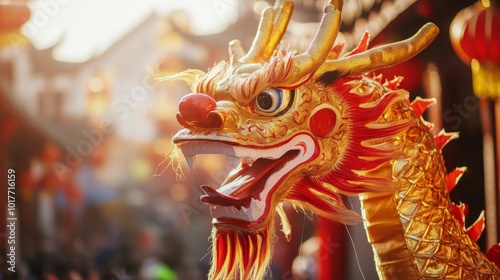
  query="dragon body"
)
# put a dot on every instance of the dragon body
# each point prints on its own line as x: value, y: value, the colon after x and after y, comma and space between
x: 311, y: 127
x: 417, y: 232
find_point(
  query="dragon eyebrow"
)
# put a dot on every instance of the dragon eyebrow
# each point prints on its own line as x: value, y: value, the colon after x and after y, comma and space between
x: 251, y: 79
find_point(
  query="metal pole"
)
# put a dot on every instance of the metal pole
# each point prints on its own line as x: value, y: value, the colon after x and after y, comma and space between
x: 489, y: 173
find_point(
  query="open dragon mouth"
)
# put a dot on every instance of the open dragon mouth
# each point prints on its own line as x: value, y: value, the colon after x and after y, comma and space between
x: 244, y: 198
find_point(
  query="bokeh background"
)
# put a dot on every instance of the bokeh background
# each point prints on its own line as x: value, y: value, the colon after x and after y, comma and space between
x: 86, y: 128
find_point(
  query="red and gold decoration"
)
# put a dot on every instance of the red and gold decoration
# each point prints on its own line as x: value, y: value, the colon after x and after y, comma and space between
x: 475, y: 38
x: 304, y: 128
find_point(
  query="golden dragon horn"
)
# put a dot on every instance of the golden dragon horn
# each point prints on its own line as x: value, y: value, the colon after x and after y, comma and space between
x: 381, y: 57
x: 322, y: 43
x: 283, y: 10
x: 272, y: 26
x: 338, y: 4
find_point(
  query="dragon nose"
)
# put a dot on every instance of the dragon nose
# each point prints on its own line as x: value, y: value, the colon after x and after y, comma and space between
x: 198, y: 110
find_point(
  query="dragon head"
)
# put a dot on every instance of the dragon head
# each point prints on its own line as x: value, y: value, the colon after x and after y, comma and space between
x: 294, y: 126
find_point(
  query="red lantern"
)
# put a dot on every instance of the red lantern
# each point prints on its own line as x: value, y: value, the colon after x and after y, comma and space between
x: 475, y: 38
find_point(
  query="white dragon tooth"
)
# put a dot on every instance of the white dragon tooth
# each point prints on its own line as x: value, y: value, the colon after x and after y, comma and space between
x: 260, y: 204
x: 228, y: 150
x: 212, y: 148
x: 241, y: 215
x: 235, y: 161
x: 187, y: 149
x: 191, y: 161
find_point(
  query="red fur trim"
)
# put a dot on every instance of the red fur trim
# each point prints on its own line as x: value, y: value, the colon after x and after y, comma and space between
x: 239, y: 254
x: 364, y: 113
x: 365, y: 128
x: 322, y: 200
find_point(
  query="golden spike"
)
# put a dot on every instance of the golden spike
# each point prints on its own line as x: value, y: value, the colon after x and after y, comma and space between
x: 383, y: 56
x: 322, y: 43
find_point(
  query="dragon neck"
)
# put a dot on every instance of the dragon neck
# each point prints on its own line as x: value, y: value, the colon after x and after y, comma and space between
x: 412, y: 230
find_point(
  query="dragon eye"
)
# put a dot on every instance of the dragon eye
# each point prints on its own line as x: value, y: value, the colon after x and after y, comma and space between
x: 272, y: 101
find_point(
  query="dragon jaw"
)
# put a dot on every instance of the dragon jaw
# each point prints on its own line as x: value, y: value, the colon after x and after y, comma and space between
x: 259, y: 179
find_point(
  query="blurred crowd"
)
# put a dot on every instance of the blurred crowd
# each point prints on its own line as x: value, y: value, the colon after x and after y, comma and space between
x: 80, y: 224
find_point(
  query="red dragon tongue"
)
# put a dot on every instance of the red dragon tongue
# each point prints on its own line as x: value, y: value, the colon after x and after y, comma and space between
x: 213, y: 197
x: 246, y: 183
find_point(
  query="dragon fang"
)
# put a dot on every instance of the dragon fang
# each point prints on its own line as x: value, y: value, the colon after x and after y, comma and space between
x: 310, y: 127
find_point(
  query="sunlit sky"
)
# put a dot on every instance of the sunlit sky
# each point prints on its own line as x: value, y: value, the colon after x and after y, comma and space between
x: 89, y: 27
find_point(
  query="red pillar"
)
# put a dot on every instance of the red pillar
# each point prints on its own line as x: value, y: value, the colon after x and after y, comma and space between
x: 332, y: 252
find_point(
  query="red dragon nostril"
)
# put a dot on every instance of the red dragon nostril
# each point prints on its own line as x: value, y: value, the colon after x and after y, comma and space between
x: 197, y: 109
x: 214, y: 120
